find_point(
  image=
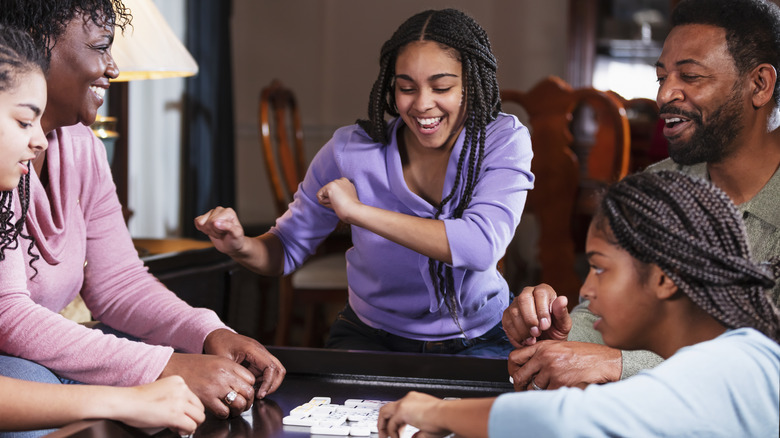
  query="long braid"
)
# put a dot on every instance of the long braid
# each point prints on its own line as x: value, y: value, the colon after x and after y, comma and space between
x: 18, y: 56
x: 694, y: 233
x: 457, y: 31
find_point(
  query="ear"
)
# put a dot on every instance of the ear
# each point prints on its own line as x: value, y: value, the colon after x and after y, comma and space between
x: 663, y: 285
x: 762, y: 80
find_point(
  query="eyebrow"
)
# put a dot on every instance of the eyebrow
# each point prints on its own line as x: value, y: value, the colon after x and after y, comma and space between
x: 35, y: 109
x: 660, y: 64
x: 590, y: 254
x: 432, y: 78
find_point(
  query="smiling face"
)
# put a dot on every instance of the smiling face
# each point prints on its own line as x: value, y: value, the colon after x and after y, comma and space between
x: 700, y: 94
x: 429, y: 94
x: 81, y: 65
x: 21, y: 136
x: 618, y: 291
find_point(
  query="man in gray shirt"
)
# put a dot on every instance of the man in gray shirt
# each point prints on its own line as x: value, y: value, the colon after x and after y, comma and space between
x: 719, y: 95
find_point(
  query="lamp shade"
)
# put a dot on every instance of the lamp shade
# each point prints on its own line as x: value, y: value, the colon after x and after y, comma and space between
x: 148, y: 49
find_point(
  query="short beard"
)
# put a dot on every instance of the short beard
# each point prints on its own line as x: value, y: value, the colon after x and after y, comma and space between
x: 715, y: 141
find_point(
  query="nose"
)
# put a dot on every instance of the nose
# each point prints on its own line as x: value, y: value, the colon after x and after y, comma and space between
x: 669, y: 90
x: 112, y: 70
x: 38, y: 141
x: 424, y: 101
x: 587, y: 291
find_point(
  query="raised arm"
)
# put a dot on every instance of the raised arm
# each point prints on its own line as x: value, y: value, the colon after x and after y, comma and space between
x: 263, y: 254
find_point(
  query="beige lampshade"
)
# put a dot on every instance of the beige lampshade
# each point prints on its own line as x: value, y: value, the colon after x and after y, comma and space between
x: 149, y: 49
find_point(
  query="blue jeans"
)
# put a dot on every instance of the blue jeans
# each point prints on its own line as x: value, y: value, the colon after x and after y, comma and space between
x: 25, y: 370
x: 348, y: 332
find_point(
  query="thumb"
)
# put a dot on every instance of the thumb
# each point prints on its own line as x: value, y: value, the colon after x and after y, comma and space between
x: 561, y: 319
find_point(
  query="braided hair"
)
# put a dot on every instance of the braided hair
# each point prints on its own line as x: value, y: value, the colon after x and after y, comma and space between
x: 46, y: 20
x: 693, y: 232
x: 455, y: 31
x: 18, y: 56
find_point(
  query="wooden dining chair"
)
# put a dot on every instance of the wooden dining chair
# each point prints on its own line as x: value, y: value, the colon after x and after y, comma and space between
x: 565, y: 178
x: 322, y: 279
x: 648, y: 144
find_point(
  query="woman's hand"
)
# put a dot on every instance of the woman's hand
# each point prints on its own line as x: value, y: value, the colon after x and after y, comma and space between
x: 212, y: 378
x: 414, y: 409
x: 167, y: 402
x: 341, y: 196
x: 536, y: 313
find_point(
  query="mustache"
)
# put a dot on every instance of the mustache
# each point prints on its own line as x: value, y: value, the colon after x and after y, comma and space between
x: 669, y: 109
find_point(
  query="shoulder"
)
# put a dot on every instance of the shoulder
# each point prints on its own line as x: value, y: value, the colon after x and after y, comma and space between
x: 80, y: 141
x: 505, y: 123
x: 506, y: 135
x: 699, y: 170
x: 742, y: 348
x: 352, y: 137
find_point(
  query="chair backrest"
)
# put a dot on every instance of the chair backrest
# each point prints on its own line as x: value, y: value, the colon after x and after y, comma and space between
x: 560, y: 177
x: 281, y: 137
x: 647, y: 143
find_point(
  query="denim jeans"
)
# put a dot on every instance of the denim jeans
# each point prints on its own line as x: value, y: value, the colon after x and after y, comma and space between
x: 27, y: 370
x: 22, y: 369
x: 348, y: 332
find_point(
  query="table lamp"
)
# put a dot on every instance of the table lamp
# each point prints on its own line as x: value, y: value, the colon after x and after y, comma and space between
x: 147, y: 49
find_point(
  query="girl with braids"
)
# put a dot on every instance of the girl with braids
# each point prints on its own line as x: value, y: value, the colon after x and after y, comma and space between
x: 76, y: 221
x: 670, y: 272
x: 433, y: 198
x: 167, y: 402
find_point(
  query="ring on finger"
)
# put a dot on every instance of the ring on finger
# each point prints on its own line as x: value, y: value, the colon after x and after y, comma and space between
x: 535, y: 386
x: 230, y: 397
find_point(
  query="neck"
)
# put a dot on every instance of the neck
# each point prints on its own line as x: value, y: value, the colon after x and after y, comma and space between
x: 687, y: 324
x: 746, y: 171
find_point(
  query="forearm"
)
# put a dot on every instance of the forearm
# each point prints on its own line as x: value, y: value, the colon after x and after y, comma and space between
x: 263, y: 254
x: 465, y: 418
x: 46, y: 405
x: 425, y: 236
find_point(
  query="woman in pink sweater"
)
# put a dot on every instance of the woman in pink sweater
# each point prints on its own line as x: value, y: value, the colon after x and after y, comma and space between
x: 82, y: 245
x: 166, y: 402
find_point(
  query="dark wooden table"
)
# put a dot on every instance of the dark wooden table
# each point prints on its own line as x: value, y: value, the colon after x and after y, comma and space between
x: 340, y: 375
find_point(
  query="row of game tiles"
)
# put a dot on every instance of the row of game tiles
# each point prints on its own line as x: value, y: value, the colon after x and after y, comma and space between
x: 355, y: 417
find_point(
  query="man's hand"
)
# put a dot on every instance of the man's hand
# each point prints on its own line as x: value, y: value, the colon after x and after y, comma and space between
x: 536, y: 313
x: 553, y: 364
x: 251, y: 354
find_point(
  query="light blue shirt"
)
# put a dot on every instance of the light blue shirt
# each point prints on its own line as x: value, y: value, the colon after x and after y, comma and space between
x: 726, y: 387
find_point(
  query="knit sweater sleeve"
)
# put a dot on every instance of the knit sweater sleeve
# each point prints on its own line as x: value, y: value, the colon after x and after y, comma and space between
x: 498, y: 199
x: 116, y: 287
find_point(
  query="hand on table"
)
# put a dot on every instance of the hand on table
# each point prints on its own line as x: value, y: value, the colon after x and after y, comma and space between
x: 211, y: 378
x: 167, y: 402
x: 265, y: 368
x: 339, y: 195
x: 536, y: 313
x: 223, y: 228
x: 553, y: 364
x: 414, y: 409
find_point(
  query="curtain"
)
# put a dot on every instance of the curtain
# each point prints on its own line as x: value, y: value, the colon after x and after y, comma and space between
x: 209, y: 137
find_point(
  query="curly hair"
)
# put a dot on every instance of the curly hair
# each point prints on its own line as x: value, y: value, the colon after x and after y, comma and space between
x: 456, y: 31
x: 18, y: 56
x: 693, y: 232
x: 752, y: 29
x: 46, y: 20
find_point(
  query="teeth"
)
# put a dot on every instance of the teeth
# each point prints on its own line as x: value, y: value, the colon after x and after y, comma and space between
x: 674, y: 120
x: 99, y: 91
x: 428, y: 121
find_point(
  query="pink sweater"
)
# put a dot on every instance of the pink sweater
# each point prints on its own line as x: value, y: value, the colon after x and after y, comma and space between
x: 85, y: 247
